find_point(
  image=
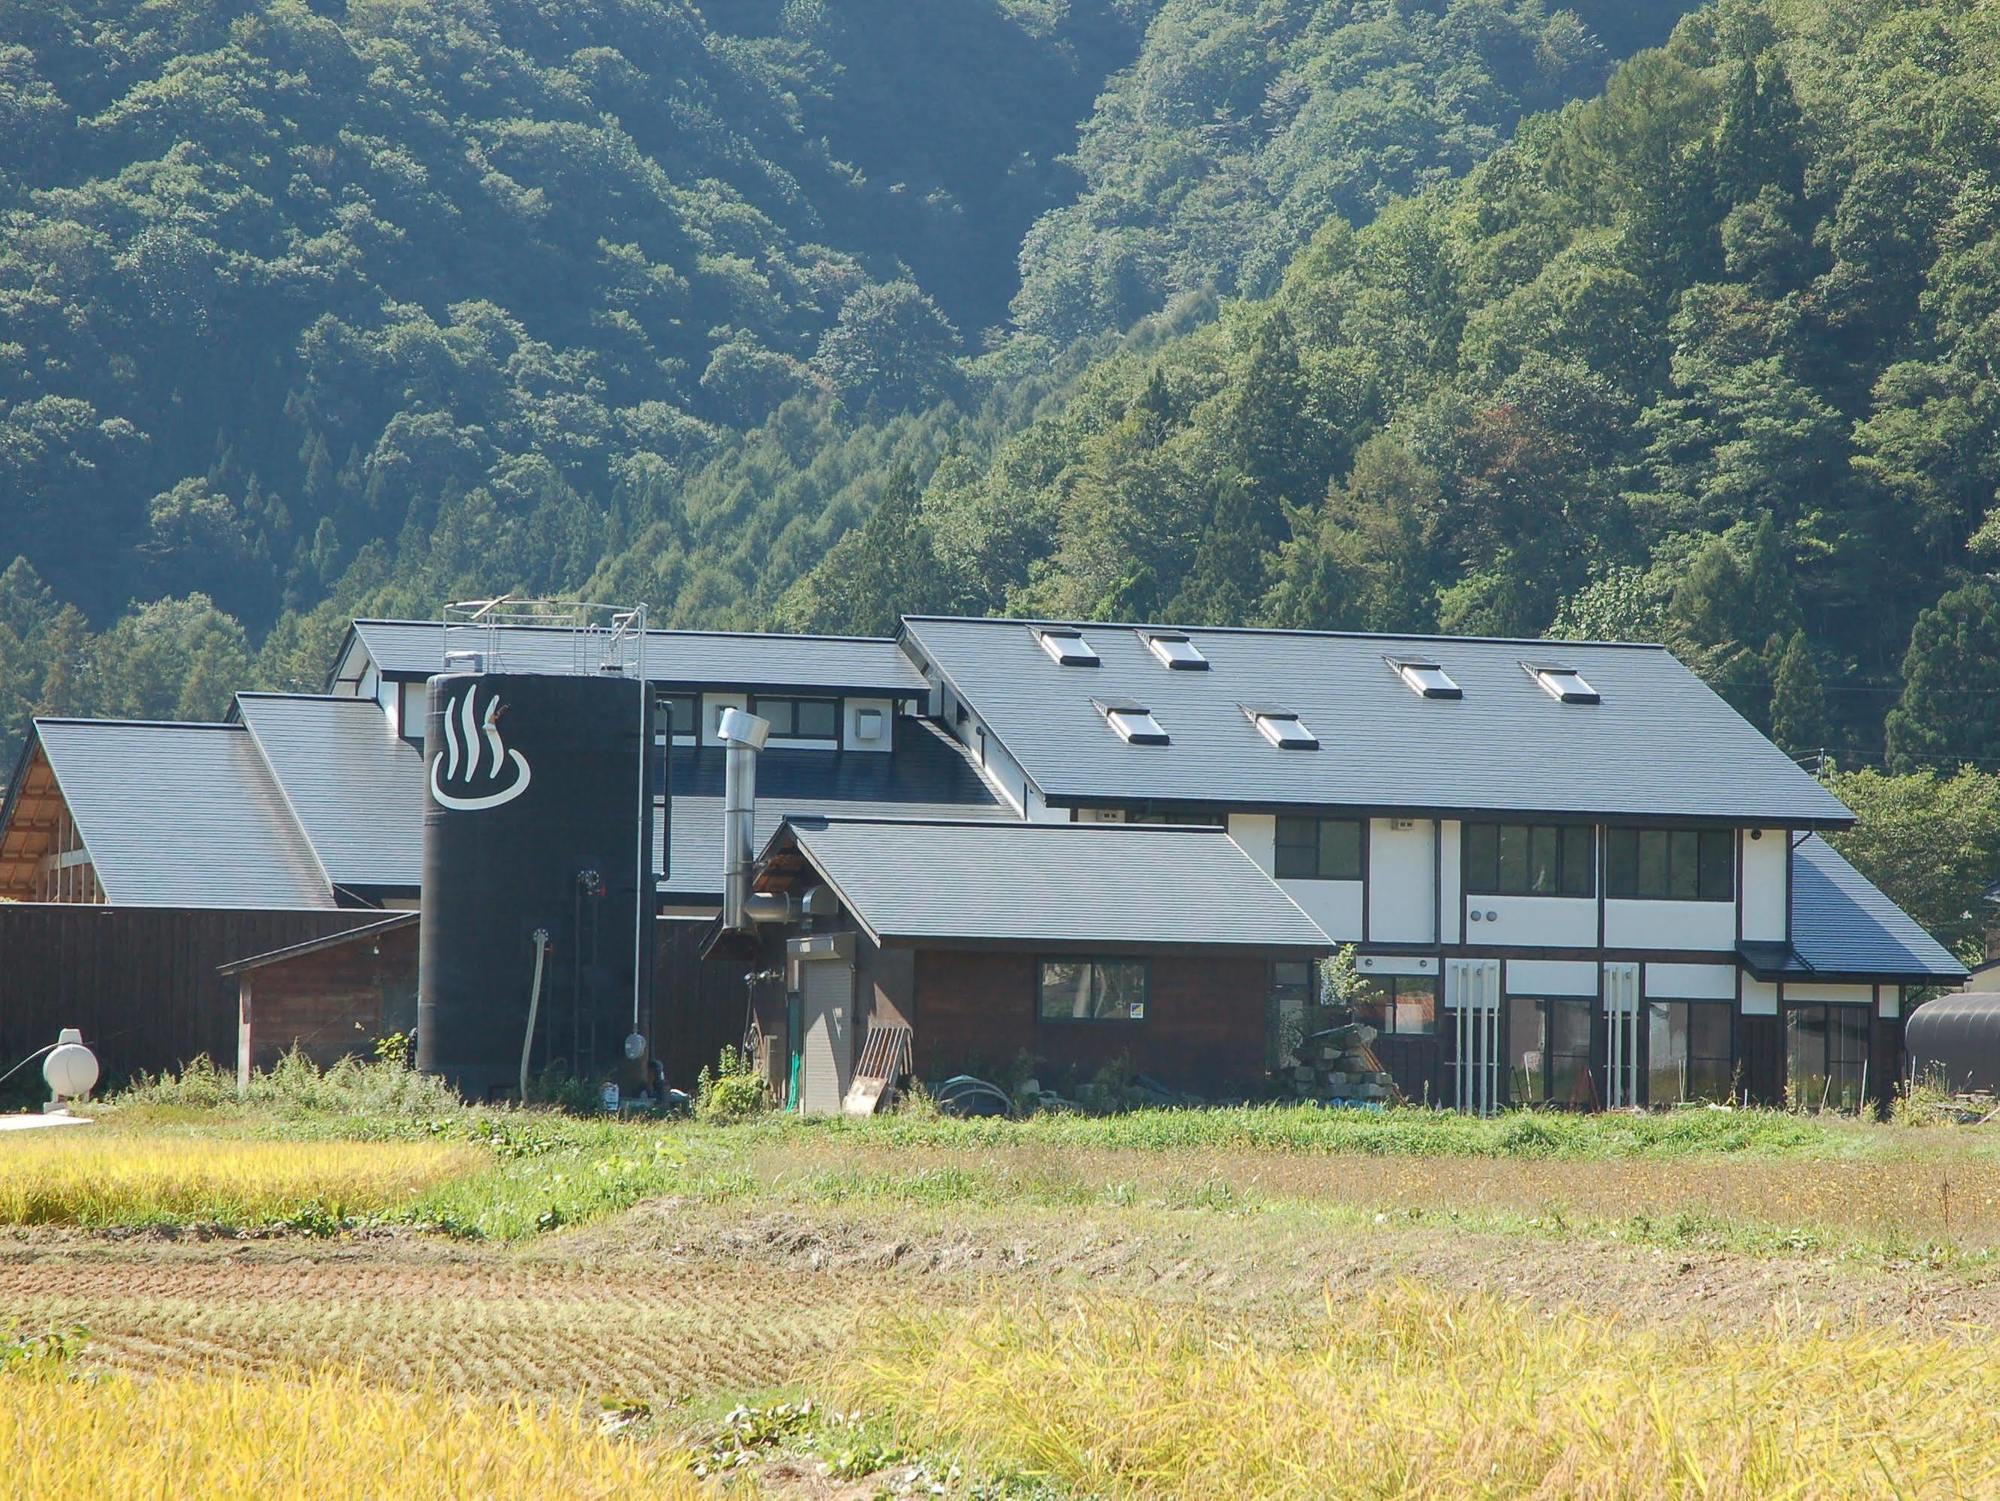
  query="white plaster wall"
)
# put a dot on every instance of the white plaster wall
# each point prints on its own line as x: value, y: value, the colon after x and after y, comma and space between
x: 850, y: 737
x: 1691, y: 982
x: 1760, y: 997
x: 1451, y: 906
x: 1256, y: 834
x: 1858, y: 995
x: 1542, y: 977
x: 1334, y: 905
x: 1100, y: 815
x: 1397, y: 964
x: 1631, y: 924
x: 415, y: 697
x: 1892, y: 1000
x: 1566, y: 922
x: 1763, y: 895
x: 1400, y: 874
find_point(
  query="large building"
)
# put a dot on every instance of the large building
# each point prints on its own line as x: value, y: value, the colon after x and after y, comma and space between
x: 1573, y: 874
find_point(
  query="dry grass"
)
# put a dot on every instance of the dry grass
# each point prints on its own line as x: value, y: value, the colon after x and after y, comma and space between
x: 328, y: 1437
x: 83, y: 1177
x: 1423, y: 1393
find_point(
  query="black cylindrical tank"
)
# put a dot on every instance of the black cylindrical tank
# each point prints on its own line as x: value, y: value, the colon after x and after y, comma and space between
x: 1954, y: 1040
x: 537, y: 817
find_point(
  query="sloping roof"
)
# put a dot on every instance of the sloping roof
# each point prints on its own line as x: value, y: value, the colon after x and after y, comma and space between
x: 181, y: 815
x: 1118, y: 886
x: 928, y: 776
x: 369, y: 930
x: 355, y: 788
x: 865, y: 665
x: 1843, y: 926
x: 1659, y: 744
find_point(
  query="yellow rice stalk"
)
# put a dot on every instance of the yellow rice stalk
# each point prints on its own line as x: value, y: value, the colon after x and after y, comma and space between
x: 331, y: 1437
x: 1422, y: 1393
x: 78, y: 1177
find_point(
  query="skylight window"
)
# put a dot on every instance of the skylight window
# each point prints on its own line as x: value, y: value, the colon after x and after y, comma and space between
x: 1066, y: 646
x: 1282, y: 728
x: 1133, y: 722
x: 1564, y: 684
x: 1427, y: 678
x: 1175, y: 650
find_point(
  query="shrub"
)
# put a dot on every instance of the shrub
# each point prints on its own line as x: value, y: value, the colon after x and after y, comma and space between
x: 734, y: 1092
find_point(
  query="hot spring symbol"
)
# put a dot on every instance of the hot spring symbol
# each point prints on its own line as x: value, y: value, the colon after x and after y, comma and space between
x: 471, y: 741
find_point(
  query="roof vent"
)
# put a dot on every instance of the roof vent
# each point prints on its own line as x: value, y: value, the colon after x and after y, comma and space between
x: 1281, y: 727
x: 1564, y: 684
x: 1175, y: 650
x: 1426, y: 678
x: 1133, y: 722
x: 1066, y: 646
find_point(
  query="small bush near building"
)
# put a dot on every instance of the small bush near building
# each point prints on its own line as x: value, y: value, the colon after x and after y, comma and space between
x: 734, y: 1091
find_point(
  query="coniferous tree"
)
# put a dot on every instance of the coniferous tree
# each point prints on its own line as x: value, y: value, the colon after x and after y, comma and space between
x: 1798, y: 701
x: 1949, y: 712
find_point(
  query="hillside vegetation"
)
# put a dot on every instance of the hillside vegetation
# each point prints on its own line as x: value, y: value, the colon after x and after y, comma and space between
x: 316, y: 307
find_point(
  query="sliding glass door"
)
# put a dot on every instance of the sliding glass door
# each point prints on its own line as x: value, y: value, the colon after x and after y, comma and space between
x: 1549, y: 1052
x: 1826, y: 1056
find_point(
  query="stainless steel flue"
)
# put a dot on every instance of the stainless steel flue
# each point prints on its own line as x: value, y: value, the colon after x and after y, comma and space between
x: 744, y: 735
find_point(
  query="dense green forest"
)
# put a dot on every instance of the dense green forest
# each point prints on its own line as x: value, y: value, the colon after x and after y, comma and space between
x: 1487, y: 316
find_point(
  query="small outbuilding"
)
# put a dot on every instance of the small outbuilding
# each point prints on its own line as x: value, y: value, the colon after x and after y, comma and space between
x: 330, y: 997
x: 1954, y: 1041
x: 943, y: 946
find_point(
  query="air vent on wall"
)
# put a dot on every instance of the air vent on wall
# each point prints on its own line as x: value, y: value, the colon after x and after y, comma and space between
x: 1175, y: 650
x: 1564, y: 684
x: 1133, y: 722
x: 1426, y: 678
x: 1066, y: 646
x: 1281, y: 727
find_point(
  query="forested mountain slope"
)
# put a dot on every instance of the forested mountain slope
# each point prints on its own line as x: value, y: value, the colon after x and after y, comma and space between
x: 1708, y: 357
x: 318, y: 305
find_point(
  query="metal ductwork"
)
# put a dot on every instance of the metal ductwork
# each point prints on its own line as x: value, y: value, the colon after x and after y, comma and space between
x: 743, y: 734
x: 787, y: 906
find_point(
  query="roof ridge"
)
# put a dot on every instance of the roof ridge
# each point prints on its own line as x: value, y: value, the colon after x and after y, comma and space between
x: 142, y: 724
x: 1003, y: 823
x: 1261, y: 630
x: 651, y: 630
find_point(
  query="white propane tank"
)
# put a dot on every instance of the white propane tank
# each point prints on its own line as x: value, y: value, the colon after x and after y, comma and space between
x: 70, y: 1070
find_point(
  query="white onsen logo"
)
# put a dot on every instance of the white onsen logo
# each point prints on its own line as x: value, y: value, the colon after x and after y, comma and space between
x: 467, y: 747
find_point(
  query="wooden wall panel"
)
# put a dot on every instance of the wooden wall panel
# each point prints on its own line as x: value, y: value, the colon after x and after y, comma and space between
x: 140, y: 982
x: 335, y: 1002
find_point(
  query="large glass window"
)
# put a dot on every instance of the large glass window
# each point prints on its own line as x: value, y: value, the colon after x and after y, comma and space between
x: 1399, y: 1005
x: 1318, y: 849
x: 1688, y: 1051
x: 675, y: 714
x: 1548, y: 1046
x: 1521, y: 859
x: 1826, y: 1056
x: 1684, y: 865
x: 800, y: 718
x: 1291, y: 994
x: 1092, y: 990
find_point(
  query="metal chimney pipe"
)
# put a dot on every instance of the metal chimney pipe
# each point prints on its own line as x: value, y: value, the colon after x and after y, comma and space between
x: 743, y: 734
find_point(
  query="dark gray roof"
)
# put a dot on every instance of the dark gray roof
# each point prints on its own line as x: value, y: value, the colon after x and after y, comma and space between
x: 707, y: 659
x: 181, y: 815
x: 362, y: 930
x: 928, y: 776
x: 355, y: 788
x: 1120, y: 886
x: 1843, y: 927
x: 1660, y: 744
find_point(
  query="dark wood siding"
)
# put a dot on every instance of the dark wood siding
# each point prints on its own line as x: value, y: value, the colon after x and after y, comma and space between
x: 140, y: 982
x: 1760, y: 1058
x: 1204, y: 1026
x: 1418, y: 1064
x: 697, y: 1007
x: 334, y: 1002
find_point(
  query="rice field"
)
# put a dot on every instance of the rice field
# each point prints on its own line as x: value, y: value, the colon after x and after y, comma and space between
x: 328, y: 1436
x: 1422, y: 1392
x: 86, y: 1177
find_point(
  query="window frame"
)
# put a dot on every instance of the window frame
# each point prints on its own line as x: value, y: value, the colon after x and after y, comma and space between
x: 1545, y: 1012
x: 1094, y: 963
x: 1856, y: 1067
x: 1625, y: 879
x: 1392, y: 1011
x: 1727, y: 1010
x: 759, y: 704
x: 675, y: 734
x: 1575, y: 870
x: 1318, y: 846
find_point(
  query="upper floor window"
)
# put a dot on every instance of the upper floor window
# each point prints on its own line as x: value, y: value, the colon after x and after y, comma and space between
x: 1676, y: 865
x: 1528, y: 859
x: 800, y: 718
x: 676, y: 714
x: 1196, y: 817
x: 1318, y: 849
